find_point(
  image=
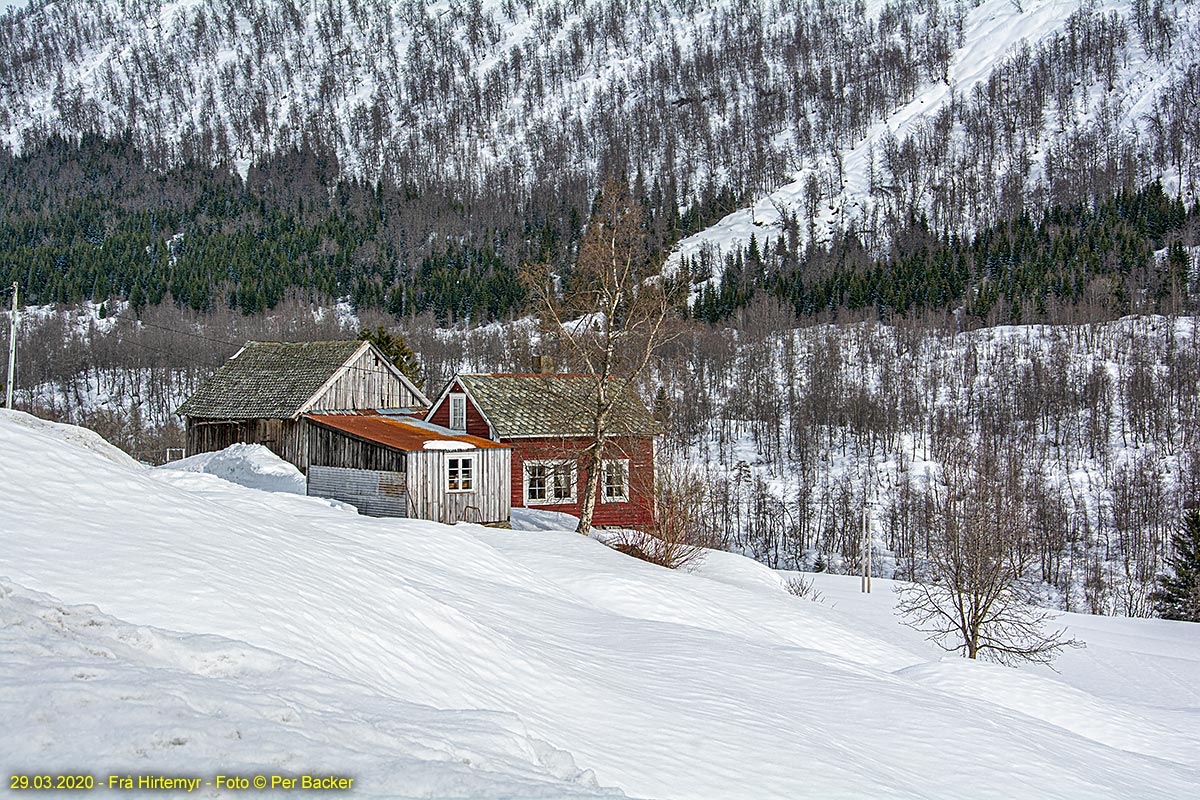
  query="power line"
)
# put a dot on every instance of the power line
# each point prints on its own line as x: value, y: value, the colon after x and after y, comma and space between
x: 174, y: 330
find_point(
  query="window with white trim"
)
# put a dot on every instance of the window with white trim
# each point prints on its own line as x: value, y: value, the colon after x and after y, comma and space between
x: 458, y: 412
x: 614, y: 485
x: 549, y: 482
x: 460, y: 474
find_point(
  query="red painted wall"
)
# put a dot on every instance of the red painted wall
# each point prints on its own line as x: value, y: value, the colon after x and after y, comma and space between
x: 640, y: 451
x: 634, y: 514
x: 476, y: 424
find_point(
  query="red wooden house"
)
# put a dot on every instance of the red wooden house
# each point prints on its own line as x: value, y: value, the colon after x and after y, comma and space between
x: 545, y: 419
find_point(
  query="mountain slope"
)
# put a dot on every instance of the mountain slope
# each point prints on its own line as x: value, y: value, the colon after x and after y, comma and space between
x: 717, y: 684
x: 930, y: 156
x: 710, y: 102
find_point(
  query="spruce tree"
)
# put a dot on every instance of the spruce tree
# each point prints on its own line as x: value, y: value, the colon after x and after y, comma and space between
x: 1178, y: 592
x: 396, y: 348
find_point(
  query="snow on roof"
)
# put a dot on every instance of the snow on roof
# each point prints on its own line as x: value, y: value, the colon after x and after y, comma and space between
x: 442, y: 444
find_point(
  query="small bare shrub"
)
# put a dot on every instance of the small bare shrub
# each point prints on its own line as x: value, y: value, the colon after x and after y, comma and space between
x: 802, y: 588
x: 669, y: 554
x: 679, y: 533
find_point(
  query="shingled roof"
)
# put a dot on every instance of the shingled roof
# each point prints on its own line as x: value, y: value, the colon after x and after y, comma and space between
x: 519, y: 406
x: 268, y: 380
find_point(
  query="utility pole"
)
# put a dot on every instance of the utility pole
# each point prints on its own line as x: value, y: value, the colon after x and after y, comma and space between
x: 12, y: 349
x: 866, y: 549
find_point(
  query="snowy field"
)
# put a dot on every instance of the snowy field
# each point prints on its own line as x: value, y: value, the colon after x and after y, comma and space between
x: 176, y: 622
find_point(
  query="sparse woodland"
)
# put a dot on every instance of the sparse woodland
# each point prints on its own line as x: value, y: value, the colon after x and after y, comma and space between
x: 1089, y: 432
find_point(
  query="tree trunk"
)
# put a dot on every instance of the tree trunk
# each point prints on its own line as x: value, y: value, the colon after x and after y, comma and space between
x: 593, y: 465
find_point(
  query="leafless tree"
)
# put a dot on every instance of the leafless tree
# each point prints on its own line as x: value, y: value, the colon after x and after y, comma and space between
x: 973, y: 599
x: 680, y: 531
x: 609, y: 319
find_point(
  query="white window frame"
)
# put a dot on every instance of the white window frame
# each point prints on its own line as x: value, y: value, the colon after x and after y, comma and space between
x: 624, y: 496
x: 469, y: 461
x: 551, y: 464
x: 458, y: 399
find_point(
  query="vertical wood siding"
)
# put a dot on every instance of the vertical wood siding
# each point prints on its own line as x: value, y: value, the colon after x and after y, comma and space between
x: 367, y: 384
x: 284, y: 437
x: 430, y: 498
x: 330, y: 448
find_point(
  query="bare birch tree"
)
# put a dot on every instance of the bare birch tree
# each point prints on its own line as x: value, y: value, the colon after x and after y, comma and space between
x: 609, y: 317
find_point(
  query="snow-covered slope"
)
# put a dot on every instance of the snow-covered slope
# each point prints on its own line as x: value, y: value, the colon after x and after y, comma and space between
x: 111, y: 698
x: 416, y: 655
x: 856, y: 181
x: 694, y: 97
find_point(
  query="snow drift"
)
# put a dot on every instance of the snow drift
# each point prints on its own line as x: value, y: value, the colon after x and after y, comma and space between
x: 250, y: 465
x: 466, y: 661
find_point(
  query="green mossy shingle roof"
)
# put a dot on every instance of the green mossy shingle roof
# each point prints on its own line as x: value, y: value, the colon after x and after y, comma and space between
x: 268, y: 380
x: 552, y: 405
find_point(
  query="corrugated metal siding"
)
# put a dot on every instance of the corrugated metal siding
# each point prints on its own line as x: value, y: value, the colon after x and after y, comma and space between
x: 376, y: 493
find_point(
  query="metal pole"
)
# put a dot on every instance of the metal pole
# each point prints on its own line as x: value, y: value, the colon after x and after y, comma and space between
x: 12, y: 350
x: 863, y: 571
x: 868, y: 549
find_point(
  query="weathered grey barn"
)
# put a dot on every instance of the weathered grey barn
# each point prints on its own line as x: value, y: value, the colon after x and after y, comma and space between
x: 260, y: 396
x: 402, y: 467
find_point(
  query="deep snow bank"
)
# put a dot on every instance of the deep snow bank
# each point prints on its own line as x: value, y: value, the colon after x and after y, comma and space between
x: 249, y: 465
x: 716, y: 684
x: 110, y: 698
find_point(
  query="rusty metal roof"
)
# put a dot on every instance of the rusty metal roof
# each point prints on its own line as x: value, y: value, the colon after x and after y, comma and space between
x: 399, y: 434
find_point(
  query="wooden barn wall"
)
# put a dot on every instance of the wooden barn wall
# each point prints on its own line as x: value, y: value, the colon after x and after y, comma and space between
x: 284, y: 437
x: 367, y: 384
x: 430, y: 499
x: 330, y: 448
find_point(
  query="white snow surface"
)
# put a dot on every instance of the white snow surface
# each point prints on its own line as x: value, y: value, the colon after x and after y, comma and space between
x: 443, y: 444
x: 532, y: 519
x: 114, y: 698
x: 250, y: 465
x: 211, y: 627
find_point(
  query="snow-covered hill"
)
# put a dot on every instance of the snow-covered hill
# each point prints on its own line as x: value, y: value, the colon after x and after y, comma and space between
x: 112, y: 698
x: 828, y: 115
x: 922, y: 157
x: 208, y: 626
